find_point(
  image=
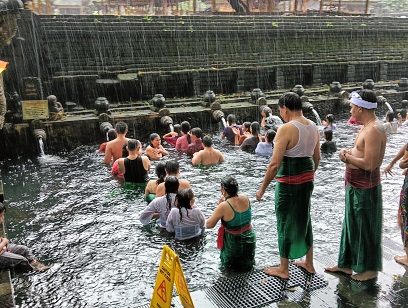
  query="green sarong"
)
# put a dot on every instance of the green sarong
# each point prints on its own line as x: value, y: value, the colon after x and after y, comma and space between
x: 150, y: 197
x: 135, y: 186
x: 360, y: 244
x: 292, y: 207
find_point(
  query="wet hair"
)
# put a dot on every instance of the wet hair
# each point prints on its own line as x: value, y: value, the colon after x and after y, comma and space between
x: 328, y: 134
x: 247, y: 125
x: 121, y: 128
x: 368, y: 95
x: 196, y: 131
x: 172, y: 167
x: 231, y: 119
x: 207, y: 141
x: 230, y: 185
x: 125, y: 151
x: 390, y: 116
x: 152, y: 137
x: 402, y: 112
x: 160, y: 172
x: 290, y: 100
x: 133, y: 144
x: 270, y: 135
x: 111, y: 134
x: 185, y: 127
x: 255, y: 128
x: 172, y: 185
x: 267, y: 111
x: 2, y: 208
x: 184, y: 198
x: 330, y: 118
x: 177, y: 129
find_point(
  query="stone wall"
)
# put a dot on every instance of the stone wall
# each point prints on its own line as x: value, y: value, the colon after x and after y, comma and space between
x: 79, y: 58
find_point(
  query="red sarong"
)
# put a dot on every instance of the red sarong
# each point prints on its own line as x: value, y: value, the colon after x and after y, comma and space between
x: 222, y: 229
x: 297, y: 179
x: 359, y: 178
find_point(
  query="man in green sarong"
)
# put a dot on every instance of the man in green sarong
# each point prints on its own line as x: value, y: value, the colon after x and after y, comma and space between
x: 295, y: 158
x: 360, y: 244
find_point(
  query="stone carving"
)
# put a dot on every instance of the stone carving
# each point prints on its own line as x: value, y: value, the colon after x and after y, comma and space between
x: 55, y: 108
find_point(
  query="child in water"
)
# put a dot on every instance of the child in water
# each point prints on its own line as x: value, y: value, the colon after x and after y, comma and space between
x: 328, y: 146
x: 186, y: 220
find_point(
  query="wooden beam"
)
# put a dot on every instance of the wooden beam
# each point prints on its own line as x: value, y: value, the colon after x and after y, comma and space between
x: 367, y: 6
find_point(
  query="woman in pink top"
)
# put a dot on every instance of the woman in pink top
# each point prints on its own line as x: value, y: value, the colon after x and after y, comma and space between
x: 183, y: 142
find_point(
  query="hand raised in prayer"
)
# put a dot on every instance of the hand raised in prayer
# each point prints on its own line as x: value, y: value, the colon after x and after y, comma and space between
x: 236, y: 131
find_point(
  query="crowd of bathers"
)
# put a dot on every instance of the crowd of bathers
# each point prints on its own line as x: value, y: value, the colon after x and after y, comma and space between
x: 171, y: 201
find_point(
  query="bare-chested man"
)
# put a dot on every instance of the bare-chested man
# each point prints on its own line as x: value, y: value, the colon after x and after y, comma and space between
x: 360, y: 244
x: 209, y: 156
x: 114, y: 148
x: 172, y: 168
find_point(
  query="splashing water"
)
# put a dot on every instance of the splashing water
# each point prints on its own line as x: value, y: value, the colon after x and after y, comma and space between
x: 41, y: 146
x: 389, y: 107
x: 171, y: 127
x: 318, y: 120
x: 224, y: 124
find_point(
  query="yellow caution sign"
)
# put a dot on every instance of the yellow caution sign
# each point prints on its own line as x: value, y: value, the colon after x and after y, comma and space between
x: 170, y: 272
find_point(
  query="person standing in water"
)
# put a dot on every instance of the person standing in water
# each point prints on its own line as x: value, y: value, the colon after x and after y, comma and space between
x: 360, y: 244
x: 295, y: 158
x: 114, y: 148
x: 209, y: 156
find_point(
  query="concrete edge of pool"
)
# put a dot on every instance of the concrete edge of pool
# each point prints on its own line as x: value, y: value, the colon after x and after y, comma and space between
x: 256, y: 289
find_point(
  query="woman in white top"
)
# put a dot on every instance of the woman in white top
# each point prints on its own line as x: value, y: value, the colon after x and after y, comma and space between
x: 160, y: 207
x: 186, y: 220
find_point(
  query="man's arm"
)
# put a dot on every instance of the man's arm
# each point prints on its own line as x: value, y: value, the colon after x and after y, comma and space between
x: 371, y: 158
x: 397, y: 157
x: 121, y: 165
x: 316, y: 152
x: 108, y: 154
x: 146, y: 163
x: 281, y: 144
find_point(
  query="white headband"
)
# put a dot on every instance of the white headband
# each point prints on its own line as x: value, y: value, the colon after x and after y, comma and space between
x: 358, y: 101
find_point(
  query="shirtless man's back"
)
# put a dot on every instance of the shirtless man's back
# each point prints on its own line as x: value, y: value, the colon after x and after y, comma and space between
x: 208, y: 156
x: 114, y: 148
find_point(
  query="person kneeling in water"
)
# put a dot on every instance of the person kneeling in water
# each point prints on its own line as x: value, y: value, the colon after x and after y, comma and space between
x: 13, y: 254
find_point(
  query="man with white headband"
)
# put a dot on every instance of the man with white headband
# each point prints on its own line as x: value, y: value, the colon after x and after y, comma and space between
x: 360, y: 244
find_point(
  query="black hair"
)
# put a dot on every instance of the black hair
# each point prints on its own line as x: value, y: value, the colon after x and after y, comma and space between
x: 231, y: 119
x: 177, y: 129
x: 368, y: 95
x: 402, y: 112
x: 172, y: 167
x: 121, y: 128
x: 184, y: 198
x: 328, y: 134
x: 152, y: 137
x: 111, y: 134
x: 207, y: 141
x: 172, y: 185
x: 133, y: 144
x: 290, y: 100
x: 270, y: 135
x: 255, y: 128
x: 2, y: 208
x: 330, y: 118
x: 160, y: 172
x: 247, y: 125
x: 196, y: 131
x: 267, y: 111
x: 230, y: 185
x: 390, y: 116
x: 185, y: 127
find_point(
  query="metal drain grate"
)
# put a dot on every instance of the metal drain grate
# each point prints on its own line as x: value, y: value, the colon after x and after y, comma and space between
x: 256, y: 289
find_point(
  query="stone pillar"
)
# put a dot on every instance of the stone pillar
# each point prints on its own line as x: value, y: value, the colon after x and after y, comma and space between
x: 383, y: 71
x: 351, y: 72
x: 280, y: 80
x: 317, y: 74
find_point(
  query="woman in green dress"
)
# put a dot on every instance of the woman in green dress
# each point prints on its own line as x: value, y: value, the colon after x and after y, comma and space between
x: 236, y: 237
